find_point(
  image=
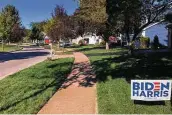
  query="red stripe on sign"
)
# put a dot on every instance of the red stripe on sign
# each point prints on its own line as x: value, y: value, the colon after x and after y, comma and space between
x: 157, y: 83
x: 156, y: 87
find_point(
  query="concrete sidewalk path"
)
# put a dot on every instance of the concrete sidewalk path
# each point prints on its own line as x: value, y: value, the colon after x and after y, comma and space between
x: 78, y: 94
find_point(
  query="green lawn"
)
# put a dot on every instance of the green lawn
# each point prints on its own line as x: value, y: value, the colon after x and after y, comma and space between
x: 9, y: 48
x: 27, y: 91
x: 114, y: 70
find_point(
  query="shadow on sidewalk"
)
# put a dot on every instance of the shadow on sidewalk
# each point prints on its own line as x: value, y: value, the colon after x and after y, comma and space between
x: 82, y: 75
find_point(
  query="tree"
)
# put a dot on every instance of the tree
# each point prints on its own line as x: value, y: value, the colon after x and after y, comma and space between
x: 9, y: 19
x: 122, y: 16
x: 51, y: 29
x: 60, y: 26
x: 92, y: 14
x: 39, y: 25
x: 27, y: 34
x: 36, y: 34
x: 168, y: 17
x: 17, y: 33
x: 135, y: 15
x: 2, y: 30
x: 156, y: 43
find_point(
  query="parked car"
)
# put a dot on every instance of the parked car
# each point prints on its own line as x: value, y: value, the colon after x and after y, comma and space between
x: 65, y: 44
x: 61, y: 44
x: 68, y: 44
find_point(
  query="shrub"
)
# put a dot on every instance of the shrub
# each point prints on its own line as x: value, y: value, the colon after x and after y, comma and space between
x: 144, y: 42
x: 47, y: 47
x: 103, y: 43
x: 74, y: 44
x: 97, y: 44
x: 156, y: 43
x: 81, y: 42
x: 132, y: 45
x: 49, y: 59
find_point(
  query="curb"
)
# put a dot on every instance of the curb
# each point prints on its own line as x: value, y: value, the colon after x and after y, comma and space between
x: 30, y: 65
x: 97, y: 111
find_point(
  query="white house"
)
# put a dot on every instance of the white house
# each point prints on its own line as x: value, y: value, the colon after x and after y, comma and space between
x: 158, y: 29
x: 89, y: 38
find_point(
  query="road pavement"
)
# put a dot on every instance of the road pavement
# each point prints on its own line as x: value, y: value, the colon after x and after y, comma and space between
x: 13, y: 62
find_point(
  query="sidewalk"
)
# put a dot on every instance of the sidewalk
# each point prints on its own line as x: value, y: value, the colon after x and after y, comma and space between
x: 78, y: 94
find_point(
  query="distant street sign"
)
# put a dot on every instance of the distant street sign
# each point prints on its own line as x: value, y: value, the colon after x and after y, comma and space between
x: 151, y: 90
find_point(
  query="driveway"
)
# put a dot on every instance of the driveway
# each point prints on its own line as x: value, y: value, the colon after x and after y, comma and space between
x: 11, y: 63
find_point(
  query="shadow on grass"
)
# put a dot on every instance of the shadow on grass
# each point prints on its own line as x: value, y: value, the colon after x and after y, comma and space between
x: 151, y: 103
x: 152, y: 66
x: 147, y: 66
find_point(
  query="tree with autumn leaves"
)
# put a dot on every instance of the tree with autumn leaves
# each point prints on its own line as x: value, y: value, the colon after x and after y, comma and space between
x: 11, y: 29
x: 60, y: 26
x: 106, y: 18
x: 122, y: 16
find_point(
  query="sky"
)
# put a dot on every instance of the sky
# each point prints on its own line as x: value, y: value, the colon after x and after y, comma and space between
x: 38, y: 10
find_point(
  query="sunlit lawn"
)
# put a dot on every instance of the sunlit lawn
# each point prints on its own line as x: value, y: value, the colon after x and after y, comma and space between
x: 8, y: 48
x: 27, y: 91
x: 114, y: 70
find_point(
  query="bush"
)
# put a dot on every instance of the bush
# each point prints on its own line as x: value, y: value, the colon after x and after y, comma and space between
x: 97, y: 44
x: 156, y: 43
x: 81, y: 42
x: 47, y: 47
x: 144, y: 42
x: 103, y: 43
x: 74, y: 44
x: 132, y: 45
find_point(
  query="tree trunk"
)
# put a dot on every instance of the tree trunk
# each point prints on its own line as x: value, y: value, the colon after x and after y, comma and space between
x: 134, y: 37
x: 18, y: 44
x: 2, y: 45
x: 107, y: 46
x: 58, y: 45
x: 128, y: 36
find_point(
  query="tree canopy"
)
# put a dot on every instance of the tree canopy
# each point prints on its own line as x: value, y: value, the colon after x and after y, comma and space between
x: 11, y: 27
x: 60, y: 26
x: 135, y: 15
x: 124, y: 16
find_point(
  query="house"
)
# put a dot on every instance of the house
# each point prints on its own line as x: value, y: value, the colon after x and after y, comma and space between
x: 46, y: 40
x: 88, y: 38
x: 158, y: 29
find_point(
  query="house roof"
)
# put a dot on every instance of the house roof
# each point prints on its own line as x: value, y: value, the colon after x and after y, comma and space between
x: 151, y: 25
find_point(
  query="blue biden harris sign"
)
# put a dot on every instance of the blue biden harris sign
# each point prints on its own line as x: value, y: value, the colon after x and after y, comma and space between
x: 151, y: 90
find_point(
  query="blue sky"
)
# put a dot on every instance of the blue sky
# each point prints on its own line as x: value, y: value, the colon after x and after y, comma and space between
x: 38, y: 10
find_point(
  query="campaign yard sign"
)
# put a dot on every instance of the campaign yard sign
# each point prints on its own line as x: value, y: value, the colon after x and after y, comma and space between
x: 151, y: 90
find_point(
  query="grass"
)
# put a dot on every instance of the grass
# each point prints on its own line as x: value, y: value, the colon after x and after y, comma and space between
x: 59, y: 51
x: 9, y: 48
x: 115, y: 68
x: 27, y: 91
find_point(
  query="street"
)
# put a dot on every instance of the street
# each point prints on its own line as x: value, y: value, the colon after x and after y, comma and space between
x: 11, y: 63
